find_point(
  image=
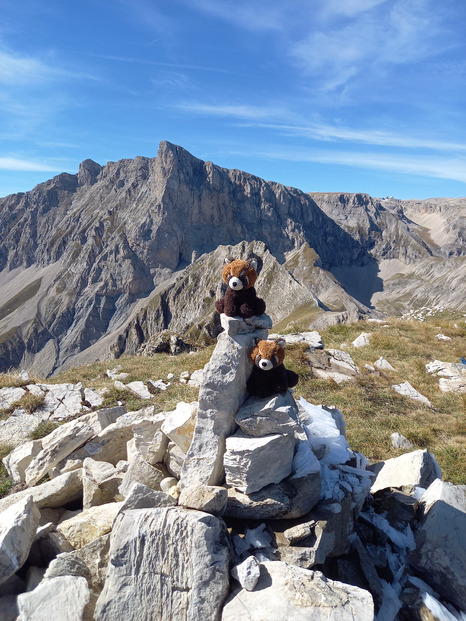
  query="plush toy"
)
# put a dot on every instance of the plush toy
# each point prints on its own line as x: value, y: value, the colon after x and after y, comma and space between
x: 269, y: 375
x: 240, y: 297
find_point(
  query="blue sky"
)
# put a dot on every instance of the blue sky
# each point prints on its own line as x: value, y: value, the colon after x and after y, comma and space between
x: 323, y: 95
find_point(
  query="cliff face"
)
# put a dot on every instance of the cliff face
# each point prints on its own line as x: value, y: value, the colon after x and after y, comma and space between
x: 85, y: 259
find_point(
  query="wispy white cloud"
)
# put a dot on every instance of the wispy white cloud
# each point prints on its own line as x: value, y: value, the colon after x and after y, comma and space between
x: 278, y: 119
x: 256, y: 15
x: 22, y: 70
x: 425, y: 166
x: 13, y: 163
x: 235, y: 111
x: 374, y: 37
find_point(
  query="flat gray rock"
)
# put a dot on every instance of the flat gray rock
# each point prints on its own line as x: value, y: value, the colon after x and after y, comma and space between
x: 164, y: 564
x: 288, y: 593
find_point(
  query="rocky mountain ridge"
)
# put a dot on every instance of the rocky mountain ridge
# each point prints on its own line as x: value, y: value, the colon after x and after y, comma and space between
x: 93, y: 264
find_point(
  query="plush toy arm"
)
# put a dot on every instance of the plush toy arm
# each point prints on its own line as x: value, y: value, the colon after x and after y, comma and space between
x: 292, y: 377
x: 220, y: 305
x: 259, y: 306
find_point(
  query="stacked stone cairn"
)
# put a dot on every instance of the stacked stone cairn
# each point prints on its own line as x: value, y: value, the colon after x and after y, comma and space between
x: 233, y: 507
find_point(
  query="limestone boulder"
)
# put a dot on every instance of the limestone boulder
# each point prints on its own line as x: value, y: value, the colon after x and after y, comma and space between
x: 285, y: 592
x: 10, y: 395
x: 261, y: 417
x: 291, y: 498
x: 440, y: 552
x: 179, y: 424
x: 64, y: 597
x: 251, y: 463
x: 139, y: 471
x: 453, y: 495
x: 56, y: 446
x: 89, y: 562
x: 101, y: 483
x: 62, y: 400
x: 416, y: 469
x: 142, y: 497
x: 148, y: 573
x: 19, y: 459
x: 208, y: 498
x: 89, y: 524
x: 66, y: 488
x: 18, y: 525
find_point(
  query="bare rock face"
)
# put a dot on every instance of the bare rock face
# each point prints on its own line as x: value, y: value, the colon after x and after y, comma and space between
x: 149, y: 576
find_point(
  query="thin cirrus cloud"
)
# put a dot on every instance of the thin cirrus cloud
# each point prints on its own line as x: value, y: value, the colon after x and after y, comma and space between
x: 260, y: 116
x: 13, y: 163
x: 438, y: 167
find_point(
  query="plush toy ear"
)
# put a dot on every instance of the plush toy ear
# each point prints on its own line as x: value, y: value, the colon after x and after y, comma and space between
x: 253, y: 264
x: 227, y: 260
x: 281, y: 342
x: 257, y: 340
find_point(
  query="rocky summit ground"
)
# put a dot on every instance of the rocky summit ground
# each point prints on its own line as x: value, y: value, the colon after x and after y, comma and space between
x: 157, y: 489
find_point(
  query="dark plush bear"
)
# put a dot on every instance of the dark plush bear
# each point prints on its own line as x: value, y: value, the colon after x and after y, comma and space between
x: 269, y: 376
x: 240, y: 297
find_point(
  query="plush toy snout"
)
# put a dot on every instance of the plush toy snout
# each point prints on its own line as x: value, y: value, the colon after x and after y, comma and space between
x: 265, y: 364
x: 235, y: 283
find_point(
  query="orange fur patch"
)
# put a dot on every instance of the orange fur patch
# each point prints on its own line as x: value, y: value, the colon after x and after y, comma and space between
x: 239, y: 268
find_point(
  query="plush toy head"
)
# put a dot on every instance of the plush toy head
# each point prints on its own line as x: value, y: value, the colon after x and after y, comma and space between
x: 267, y: 355
x: 240, y: 274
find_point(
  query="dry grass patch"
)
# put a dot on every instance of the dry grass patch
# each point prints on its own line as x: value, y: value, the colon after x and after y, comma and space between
x: 371, y: 407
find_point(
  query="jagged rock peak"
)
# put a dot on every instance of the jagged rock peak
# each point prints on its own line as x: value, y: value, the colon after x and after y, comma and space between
x: 88, y: 172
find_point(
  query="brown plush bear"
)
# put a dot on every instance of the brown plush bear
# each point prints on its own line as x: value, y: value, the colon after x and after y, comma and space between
x: 269, y: 375
x: 240, y: 298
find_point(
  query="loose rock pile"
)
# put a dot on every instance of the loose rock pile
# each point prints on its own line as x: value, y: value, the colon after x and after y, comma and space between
x: 226, y: 508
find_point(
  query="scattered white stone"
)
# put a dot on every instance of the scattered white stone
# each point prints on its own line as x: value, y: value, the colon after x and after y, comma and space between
x: 312, y: 339
x: 184, y: 377
x: 383, y: 364
x: 62, y: 400
x: 399, y: 441
x: 407, y: 390
x: 8, y: 396
x: 419, y: 468
x: 19, y: 459
x: 93, y: 397
x: 195, y: 379
x: 56, y: 446
x: 23, y: 375
x: 139, y: 389
x: 442, y: 337
x: 247, y: 573
x: 362, y: 340
x: 179, y: 424
x: 63, y: 597
x: 170, y: 376
x: 159, y: 384
x: 452, y: 375
x: 370, y: 368
x: 18, y: 525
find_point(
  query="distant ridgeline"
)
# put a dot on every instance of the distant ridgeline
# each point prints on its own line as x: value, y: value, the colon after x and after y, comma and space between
x: 96, y: 263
